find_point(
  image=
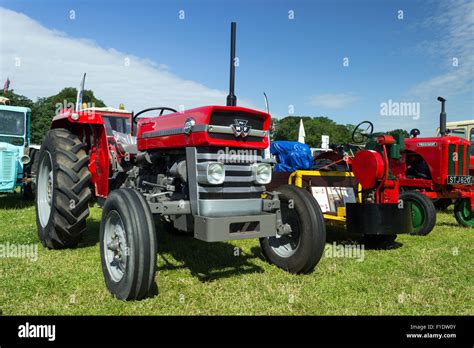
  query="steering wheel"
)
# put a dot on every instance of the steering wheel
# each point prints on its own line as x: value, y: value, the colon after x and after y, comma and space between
x: 414, y: 133
x: 362, y: 132
x: 162, y: 108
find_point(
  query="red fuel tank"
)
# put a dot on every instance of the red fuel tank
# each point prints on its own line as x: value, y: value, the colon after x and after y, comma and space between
x: 368, y: 167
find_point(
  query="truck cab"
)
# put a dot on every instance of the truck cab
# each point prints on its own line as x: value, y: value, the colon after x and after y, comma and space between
x: 14, y: 145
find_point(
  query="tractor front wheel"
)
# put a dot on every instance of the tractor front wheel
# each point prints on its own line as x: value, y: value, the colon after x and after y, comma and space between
x: 128, y: 245
x: 62, y: 190
x: 301, y: 249
x: 423, y: 212
x: 463, y: 213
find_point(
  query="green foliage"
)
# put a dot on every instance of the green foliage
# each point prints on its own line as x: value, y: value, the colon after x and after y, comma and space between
x: 44, y: 109
x: 287, y: 129
x: 17, y: 99
x: 396, y: 132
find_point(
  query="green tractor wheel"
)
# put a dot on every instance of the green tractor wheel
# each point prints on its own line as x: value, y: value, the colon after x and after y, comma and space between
x: 463, y: 213
x: 423, y: 212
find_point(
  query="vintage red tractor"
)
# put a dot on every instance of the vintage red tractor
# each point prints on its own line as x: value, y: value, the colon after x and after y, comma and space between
x: 427, y: 169
x: 438, y: 167
x: 199, y: 170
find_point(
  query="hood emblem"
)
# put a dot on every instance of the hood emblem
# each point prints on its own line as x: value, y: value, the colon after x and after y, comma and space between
x: 240, y: 128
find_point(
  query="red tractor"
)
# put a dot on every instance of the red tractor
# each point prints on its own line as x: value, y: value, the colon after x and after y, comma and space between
x: 427, y: 169
x: 200, y: 170
x: 438, y: 167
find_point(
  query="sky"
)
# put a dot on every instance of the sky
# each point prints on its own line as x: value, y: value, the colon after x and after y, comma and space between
x: 383, y: 61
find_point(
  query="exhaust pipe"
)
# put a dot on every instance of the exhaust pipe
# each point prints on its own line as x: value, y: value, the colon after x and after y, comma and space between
x: 442, y: 117
x: 231, y: 98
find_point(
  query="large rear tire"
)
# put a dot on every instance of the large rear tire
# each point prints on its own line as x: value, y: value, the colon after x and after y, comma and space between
x: 301, y: 250
x: 463, y: 213
x: 128, y: 245
x: 62, y: 190
x: 423, y: 212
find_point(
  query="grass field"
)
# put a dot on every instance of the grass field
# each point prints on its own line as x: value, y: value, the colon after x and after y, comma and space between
x: 418, y: 276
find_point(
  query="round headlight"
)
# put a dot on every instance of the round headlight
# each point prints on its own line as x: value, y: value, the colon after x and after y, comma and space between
x: 263, y: 173
x: 25, y: 159
x: 215, y: 173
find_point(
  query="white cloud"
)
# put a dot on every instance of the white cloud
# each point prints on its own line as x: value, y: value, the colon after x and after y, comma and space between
x: 51, y: 60
x: 454, y: 28
x: 333, y: 101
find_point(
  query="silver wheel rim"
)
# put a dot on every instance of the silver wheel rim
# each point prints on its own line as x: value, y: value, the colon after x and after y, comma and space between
x: 45, y: 189
x: 286, y: 245
x: 115, y: 246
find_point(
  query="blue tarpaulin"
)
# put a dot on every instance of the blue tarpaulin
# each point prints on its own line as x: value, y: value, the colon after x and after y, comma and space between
x: 291, y: 156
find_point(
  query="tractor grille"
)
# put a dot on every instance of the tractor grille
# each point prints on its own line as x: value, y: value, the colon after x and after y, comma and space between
x: 7, y: 163
x: 238, y: 174
x: 461, y: 166
x: 227, y: 118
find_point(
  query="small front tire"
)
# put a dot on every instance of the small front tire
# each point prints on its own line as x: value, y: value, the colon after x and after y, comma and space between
x: 301, y: 250
x: 423, y: 212
x: 463, y: 213
x: 128, y: 245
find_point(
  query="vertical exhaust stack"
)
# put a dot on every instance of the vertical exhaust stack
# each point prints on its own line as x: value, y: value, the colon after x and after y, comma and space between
x: 80, y: 94
x: 231, y: 98
x: 442, y: 117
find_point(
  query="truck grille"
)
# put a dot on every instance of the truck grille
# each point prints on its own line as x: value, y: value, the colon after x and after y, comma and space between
x: 461, y: 166
x: 7, y: 163
x: 238, y: 174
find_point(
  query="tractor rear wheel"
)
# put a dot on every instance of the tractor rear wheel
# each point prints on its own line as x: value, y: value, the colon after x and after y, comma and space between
x: 301, y: 250
x: 128, y: 245
x: 463, y: 213
x: 423, y: 212
x: 62, y: 190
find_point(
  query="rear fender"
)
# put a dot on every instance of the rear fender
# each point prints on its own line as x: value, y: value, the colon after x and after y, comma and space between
x: 95, y: 138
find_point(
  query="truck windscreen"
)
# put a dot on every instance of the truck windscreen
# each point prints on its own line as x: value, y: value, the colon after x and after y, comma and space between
x: 12, y: 122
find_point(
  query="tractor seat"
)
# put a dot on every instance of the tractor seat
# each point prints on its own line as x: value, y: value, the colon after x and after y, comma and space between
x: 127, y: 142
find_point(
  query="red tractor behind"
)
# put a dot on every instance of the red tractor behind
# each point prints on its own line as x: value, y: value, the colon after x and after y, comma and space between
x: 439, y: 167
x: 201, y: 171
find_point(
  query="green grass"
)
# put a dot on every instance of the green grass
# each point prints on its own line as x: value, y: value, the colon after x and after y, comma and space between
x: 423, y: 275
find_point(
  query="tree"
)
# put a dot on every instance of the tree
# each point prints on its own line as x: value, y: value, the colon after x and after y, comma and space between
x: 45, y: 109
x: 396, y: 132
x: 315, y: 127
x: 17, y: 99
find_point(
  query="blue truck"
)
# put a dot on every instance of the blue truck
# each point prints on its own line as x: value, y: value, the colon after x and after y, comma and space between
x: 16, y: 153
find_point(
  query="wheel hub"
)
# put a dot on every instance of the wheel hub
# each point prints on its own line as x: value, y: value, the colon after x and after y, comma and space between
x: 115, y: 245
